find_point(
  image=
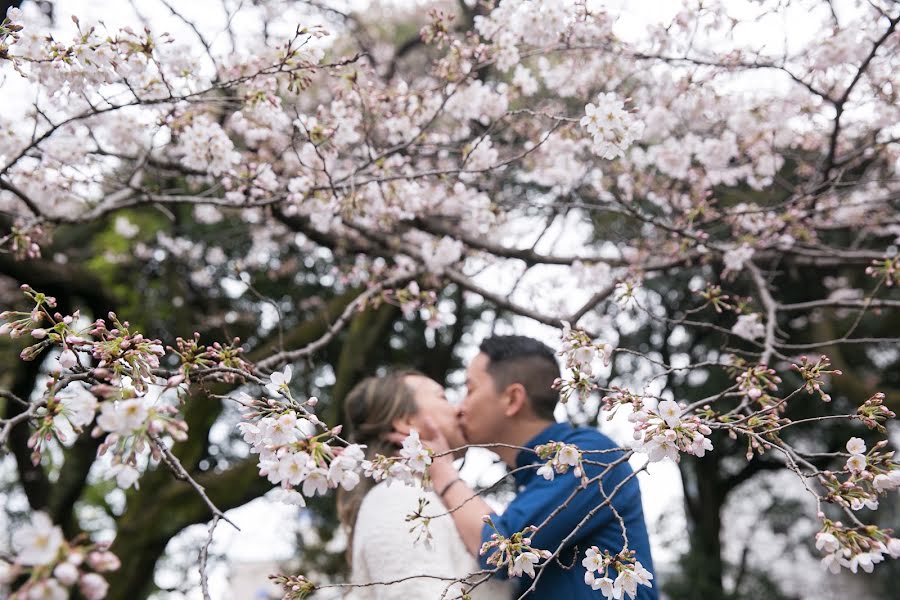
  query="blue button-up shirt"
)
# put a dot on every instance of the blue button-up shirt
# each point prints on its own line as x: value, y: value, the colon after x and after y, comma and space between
x: 538, y: 497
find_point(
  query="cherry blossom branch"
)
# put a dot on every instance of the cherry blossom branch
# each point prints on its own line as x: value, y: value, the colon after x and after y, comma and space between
x: 355, y: 306
x: 771, y: 313
x: 181, y: 473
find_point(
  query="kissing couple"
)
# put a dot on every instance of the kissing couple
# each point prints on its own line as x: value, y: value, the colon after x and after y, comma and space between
x: 575, y: 502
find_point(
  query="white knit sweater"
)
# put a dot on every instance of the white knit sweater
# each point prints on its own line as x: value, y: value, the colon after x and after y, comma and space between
x: 384, y: 549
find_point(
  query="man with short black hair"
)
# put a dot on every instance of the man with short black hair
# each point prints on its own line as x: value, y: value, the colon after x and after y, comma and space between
x: 510, y: 402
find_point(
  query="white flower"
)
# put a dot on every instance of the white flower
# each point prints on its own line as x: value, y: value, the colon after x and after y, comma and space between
x: 14, y: 14
x: 856, y: 445
x: 612, y: 128
x: 343, y: 469
x: 605, y: 585
x: 893, y: 547
x: 546, y: 471
x: 662, y: 446
x: 700, y: 445
x: 625, y: 582
x: 670, y: 412
x: 48, y: 589
x: 316, y: 482
x: 865, y: 502
x: 293, y: 467
x: 353, y: 452
x: 593, y: 560
x: 399, y: 472
x: 38, y: 542
x: 642, y: 575
x: 416, y: 455
x: 340, y: 474
x: 125, y: 475
x: 279, y: 381
x: 856, y: 463
x: 569, y: 455
x: 251, y: 433
x: 524, y: 563
x: 93, y: 586
x: 833, y: 562
x: 826, y: 542
x: 79, y: 409
x: 866, y: 560
x: 122, y: 416
x: 736, y: 258
x: 282, y: 430
x: 886, y: 482
x: 749, y: 327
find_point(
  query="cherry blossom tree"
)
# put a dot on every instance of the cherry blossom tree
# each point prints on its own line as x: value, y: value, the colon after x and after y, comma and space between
x: 692, y: 181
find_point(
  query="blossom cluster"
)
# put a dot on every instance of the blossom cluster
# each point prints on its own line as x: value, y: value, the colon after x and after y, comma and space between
x: 757, y: 382
x: 514, y: 552
x: 53, y: 567
x: 412, y: 300
x: 611, y: 127
x: 629, y: 573
x: 125, y: 416
x: 291, y: 453
x: 580, y: 354
x: 867, y: 474
x: 854, y: 548
x: 408, y: 467
x: 665, y: 432
x: 813, y: 375
x: 560, y: 457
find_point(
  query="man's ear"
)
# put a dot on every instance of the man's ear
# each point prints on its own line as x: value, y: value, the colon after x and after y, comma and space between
x: 516, y: 400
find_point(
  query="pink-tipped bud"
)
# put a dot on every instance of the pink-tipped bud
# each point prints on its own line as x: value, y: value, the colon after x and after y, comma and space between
x: 175, y: 381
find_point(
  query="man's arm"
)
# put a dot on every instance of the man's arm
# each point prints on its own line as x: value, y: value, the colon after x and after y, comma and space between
x: 541, y: 498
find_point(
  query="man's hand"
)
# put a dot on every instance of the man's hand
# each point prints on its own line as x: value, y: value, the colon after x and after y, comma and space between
x: 430, y: 436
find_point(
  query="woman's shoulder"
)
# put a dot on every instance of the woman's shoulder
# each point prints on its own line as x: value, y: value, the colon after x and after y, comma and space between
x: 395, y: 497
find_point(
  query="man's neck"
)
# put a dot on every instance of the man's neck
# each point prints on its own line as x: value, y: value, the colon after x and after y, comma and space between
x: 520, y: 434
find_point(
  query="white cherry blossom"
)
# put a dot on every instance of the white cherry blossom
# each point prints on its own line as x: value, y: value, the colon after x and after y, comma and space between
x: 39, y: 542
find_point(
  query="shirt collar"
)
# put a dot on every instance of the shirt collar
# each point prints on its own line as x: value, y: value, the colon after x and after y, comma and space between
x: 554, y: 432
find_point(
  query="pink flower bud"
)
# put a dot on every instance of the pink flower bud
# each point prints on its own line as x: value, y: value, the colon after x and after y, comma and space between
x: 93, y: 586
x: 66, y: 573
x: 38, y: 333
x: 67, y: 359
x: 175, y: 381
x: 312, y: 401
x: 103, y: 561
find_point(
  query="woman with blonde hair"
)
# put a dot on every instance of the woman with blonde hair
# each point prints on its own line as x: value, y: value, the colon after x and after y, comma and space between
x: 383, y: 546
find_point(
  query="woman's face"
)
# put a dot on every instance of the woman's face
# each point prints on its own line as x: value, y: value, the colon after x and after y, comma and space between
x: 431, y: 402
